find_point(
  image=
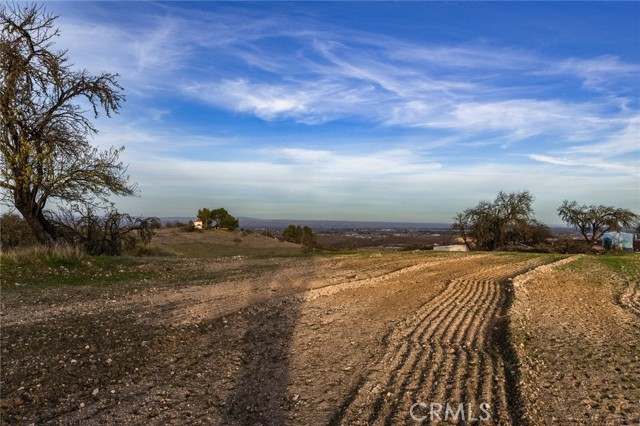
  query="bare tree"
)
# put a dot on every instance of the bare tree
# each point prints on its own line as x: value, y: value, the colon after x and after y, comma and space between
x: 593, y: 221
x: 45, y: 152
x: 508, y: 220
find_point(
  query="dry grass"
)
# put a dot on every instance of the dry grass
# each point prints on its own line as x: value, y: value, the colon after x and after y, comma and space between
x: 57, y: 255
x: 220, y: 243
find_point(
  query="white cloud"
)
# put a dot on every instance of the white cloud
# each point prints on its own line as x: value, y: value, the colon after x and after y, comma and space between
x: 268, y: 102
x: 523, y: 118
x: 319, y: 75
x: 577, y: 116
x: 308, y: 156
x: 618, y: 153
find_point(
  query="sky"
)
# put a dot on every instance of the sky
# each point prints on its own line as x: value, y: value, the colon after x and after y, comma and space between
x: 378, y: 111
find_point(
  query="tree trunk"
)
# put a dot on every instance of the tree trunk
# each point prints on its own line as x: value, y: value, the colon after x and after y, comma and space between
x: 42, y: 229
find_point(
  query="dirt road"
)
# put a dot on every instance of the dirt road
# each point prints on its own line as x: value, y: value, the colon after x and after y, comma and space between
x: 398, y: 338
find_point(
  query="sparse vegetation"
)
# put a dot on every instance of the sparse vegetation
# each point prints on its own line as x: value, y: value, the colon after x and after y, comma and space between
x: 37, y: 256
x: 221, y: 243
x: 34, y: 269
x: 174, y: 224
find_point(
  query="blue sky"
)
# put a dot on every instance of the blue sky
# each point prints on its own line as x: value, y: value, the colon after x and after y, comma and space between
x: 367, y: 110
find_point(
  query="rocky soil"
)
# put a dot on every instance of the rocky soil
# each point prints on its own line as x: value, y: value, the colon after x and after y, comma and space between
x: 323, y: 340
x: 576, y: 328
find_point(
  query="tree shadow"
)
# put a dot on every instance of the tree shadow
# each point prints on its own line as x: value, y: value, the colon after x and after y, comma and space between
x: 261, y: 394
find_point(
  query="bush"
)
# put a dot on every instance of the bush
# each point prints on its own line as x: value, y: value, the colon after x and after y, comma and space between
x: 300, y: 235
x: 112, y: 233
x: 14, y: 232
x: 568, y: 245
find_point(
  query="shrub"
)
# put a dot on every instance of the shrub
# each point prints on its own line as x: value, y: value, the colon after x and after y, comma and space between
x: 300, y: 235
x: 112, y: 233
x: 14, y: 232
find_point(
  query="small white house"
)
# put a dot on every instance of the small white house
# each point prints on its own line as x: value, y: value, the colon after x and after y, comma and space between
x: 197, y: 223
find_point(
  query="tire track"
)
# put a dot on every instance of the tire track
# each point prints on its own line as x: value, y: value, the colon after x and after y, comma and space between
x: 443, y: 354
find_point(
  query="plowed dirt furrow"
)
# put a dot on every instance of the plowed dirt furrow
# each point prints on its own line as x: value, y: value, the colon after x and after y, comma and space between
x: 396, y: 364
x: 430, y: 317
x: 386, y: 404
x: 459, y: 329
x: 450, y: 386
x: 474, y: 336
x: 500, y: 406
x: 490, y: 310
x: 443, y: 355
x: 464, y: 316
x: 456, y: 385
x: 473, y: 345
x: 472, y: 379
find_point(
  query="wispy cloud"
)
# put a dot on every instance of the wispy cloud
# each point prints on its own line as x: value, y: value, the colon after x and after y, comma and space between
x: 595, y: 163
x: 367, y: 117
x: 602, y: 74
x: 394, y: 83
x: 314, y: 76
x: 618, y: 153
x: 624, y: 141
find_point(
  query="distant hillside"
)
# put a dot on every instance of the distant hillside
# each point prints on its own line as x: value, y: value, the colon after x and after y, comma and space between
x: 251, y: 223
x: 216, y: 243
x: 321, y: 225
